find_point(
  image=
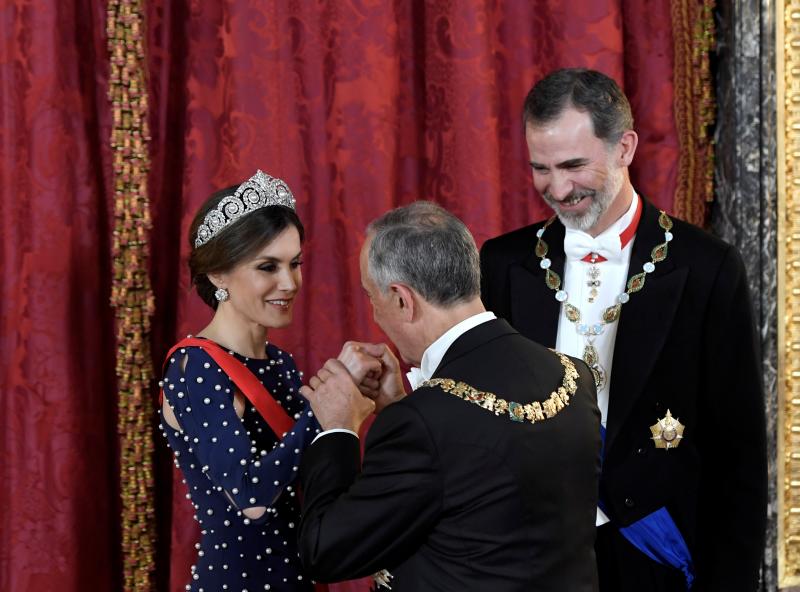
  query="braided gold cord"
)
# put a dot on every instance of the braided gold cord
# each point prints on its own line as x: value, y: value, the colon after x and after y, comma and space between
x: 131, y: 295
x: 695, y: 109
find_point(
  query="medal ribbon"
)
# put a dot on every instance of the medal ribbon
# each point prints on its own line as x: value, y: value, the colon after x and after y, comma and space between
x: 625, y: 236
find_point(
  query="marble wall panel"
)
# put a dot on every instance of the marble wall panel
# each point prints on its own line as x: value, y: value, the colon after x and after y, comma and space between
x: 745, y: 208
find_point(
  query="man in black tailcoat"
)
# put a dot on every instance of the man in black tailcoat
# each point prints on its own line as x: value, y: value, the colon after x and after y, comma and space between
x: 485, y: 476
x: 660, y: 311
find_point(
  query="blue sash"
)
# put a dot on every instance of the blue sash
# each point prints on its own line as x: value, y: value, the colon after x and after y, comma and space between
x: 657, y: 536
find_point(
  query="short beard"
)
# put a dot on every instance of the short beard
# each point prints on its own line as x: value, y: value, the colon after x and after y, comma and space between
x: 601, y: 201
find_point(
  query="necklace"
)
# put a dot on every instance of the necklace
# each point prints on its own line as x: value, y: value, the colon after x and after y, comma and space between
x: 588, y: 331
x: 532, y: 412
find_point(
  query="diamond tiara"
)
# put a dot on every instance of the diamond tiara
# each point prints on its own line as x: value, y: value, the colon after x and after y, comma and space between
x: 259, y: 191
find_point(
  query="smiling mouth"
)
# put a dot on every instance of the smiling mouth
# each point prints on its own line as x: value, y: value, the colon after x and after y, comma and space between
x: 280, y: 303
x: 573, y: 200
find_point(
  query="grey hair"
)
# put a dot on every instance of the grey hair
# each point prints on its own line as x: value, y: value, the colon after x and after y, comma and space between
x: 589, y: 91
x: 427, y: 248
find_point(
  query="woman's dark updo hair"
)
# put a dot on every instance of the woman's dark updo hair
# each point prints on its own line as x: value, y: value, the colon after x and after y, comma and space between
x: 236, y: 243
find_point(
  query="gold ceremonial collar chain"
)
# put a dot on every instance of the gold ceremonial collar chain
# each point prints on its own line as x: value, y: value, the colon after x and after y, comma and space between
x: 611, y: 313
x: 520, y: 412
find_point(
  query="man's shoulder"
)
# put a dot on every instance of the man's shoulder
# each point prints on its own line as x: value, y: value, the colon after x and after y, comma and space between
x: 698, y: 248
x: 531, y: 374
x: 697, y: 236
x: 522, y: 240
x: 499, y: 364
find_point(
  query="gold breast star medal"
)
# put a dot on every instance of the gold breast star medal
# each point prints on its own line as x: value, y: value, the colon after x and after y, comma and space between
x: 667, y: 432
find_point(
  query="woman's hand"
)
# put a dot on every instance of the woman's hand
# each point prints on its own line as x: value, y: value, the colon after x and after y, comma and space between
x: 375, y: 370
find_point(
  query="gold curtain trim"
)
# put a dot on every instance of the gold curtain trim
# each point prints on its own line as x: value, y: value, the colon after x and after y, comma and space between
x: 787, y: 25
x: 695, y: 109
x: 131, y: 294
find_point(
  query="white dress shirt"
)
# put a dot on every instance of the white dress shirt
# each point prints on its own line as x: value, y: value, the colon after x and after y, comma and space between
x: 432, y: 356
x: 613, y: 276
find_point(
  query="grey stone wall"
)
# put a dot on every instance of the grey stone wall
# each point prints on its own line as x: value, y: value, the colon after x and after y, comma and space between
x: 745, y: 209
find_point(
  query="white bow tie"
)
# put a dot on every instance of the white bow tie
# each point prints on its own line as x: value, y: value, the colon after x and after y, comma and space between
x: 579, y: 244
x: 415, y: 377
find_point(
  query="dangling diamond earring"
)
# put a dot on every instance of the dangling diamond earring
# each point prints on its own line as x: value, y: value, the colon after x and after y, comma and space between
x: 221, y: 294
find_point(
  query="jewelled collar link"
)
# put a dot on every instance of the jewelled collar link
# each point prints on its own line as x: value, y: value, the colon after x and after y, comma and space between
x: 636, y: 283
x: 611, y: 313
x: 532, y: 412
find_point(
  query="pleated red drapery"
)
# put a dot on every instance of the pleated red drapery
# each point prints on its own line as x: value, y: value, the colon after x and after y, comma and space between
x: 359, y: 105
x: 59, y: 503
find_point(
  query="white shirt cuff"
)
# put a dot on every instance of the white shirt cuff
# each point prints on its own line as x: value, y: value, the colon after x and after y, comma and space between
x: 326, y: 432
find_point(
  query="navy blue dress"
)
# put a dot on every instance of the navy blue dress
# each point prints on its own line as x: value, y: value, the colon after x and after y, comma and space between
x: 231, y: 464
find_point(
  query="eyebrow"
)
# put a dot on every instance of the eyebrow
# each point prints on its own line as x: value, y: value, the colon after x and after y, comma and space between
x: 572, y: 162
x: 268, y: 259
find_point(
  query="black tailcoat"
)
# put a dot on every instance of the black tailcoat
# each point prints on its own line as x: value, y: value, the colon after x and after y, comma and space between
x: 452, y: 497
x: 685, y: 343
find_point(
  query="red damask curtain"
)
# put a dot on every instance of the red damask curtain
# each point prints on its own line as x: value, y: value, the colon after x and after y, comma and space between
x: 364, y: 106
x: 59, y: 505
x: 361, y: 105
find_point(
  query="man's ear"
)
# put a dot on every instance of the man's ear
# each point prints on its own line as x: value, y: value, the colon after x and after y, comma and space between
x: 405, y: 300
x: 628, y: 143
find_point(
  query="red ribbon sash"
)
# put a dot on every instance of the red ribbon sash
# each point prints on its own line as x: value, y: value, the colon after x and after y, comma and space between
x: 277, y: 418
x: 625, y: 236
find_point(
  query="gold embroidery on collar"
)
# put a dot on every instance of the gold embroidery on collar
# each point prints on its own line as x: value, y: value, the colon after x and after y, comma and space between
x: 531, y: 412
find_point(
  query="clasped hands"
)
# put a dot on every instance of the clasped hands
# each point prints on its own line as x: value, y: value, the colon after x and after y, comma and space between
x: 365, y: 378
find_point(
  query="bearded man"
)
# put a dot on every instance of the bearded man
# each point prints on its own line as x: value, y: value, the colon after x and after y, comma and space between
x: 660, y: 312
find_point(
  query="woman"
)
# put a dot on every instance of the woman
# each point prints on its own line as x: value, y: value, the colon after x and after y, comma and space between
x: 239, y: 466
